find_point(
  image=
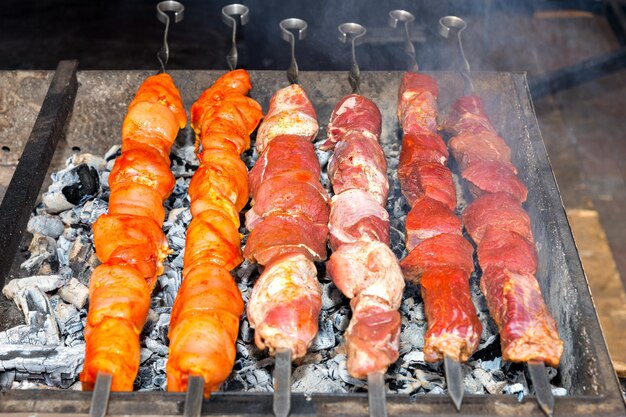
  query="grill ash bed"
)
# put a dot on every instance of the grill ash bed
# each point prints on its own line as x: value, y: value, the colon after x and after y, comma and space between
x: 585, y: 382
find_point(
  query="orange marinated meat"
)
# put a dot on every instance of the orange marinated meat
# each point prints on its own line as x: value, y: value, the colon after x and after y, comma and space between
x: 205, y: 318
x: 129, y: 241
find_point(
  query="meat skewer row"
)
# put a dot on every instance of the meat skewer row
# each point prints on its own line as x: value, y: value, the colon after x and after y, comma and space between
x: 205, y: 317
x: 439, y: 258
x: 128, y: 239
x: 501, y: 229
x: 289, y: 226
x: 362, y: 265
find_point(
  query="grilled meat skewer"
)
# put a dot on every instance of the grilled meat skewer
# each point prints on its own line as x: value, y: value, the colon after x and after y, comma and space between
x: 128, y: 239
x: 205, y: 317
x: 501, y: 229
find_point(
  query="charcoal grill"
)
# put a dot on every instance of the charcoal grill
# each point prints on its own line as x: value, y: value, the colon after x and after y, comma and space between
x: 93, y: 121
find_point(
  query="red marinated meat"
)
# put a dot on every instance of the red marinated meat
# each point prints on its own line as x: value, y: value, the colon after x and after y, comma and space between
x: 453, y: 326
x: 468, y: 115
x: 417, y: 149
x: 505, y: 249
x: 431, y: 180
x: 295, y: 193
x: 447, y: 250
x: 285, y: 304
x: 500, y: 210
x: 429, y: 218
x: 285, y: 153
x: 527, y: 330
x: 355, y: 215
x: 290, y: 113
x: 469, y: 148
x: 368, y: 273
x: 417, y: 104
x: 280, y: 234
x: 359, y: 162
x: 353, y: 113
x: 494, y: 177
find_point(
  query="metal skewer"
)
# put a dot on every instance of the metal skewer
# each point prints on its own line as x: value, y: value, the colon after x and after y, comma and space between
x: 355, y: 31
x: 194, y: 396
x: 231, y: 14
x: 543, y: 392
x: 282, y: 383
x: 376, y: 380
x: 446, y: 25
x: 286, y: 27
x: 179, y: 12
x: 396, y: 16
x: 536, y: 370
x: 454, y: 380
x: 101, y: 394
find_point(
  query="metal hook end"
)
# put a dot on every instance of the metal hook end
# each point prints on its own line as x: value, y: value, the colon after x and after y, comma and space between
x: 346, y: 29
x: 293, y: 23
x: 170, y: 6
x: 231, y: 12
x: 447, y: 23
x: 396, y: 16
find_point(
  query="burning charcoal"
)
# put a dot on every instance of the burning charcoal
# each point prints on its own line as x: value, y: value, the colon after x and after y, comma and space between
x: 45, y: 225
x: 96, y: 162
x: 486, y: 379
x: 45, y: 283
x: 516, y: 389
x: 412, y: 357
x: 245, y: 332
x: 159, y: 331
x: 25, y: 334
x: 92, y: 210
x: 59, y: 364
x: 42, y: 249
x: 157, y: 347
x: 341, y: 318
x: 558, y: 391
x: 429, y: 380
x: 472, y: 385
x: 80, y: 251
x: 6, y: 380
x: 75, y: 293
x: 312, y: 378
x: 68, y: 318
x: 414, y: 335
x: 331, y: 296
x: 144, y: 355
x: 260, y: 380
x: 71, y: 187
x: 325, y: 338
x: 113, y: 152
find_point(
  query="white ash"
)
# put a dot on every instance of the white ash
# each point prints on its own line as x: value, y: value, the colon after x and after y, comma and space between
x: 70, y: 257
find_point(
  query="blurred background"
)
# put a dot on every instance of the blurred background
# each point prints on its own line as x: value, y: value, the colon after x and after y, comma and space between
x: 574, y: 53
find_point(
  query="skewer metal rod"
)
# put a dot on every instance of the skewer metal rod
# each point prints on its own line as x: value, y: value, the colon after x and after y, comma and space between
x: 194, y: 397
x: 282, y: 383
x: 446, y: 25
x: 162, y: 9
x: 454, y: 380
x: 402, y: 16
x: 376, y: 394
x: 231, y: 15
x: 101, y: 394
x: 354, y: 31
x: 543, y: 391
x: 286, y: 27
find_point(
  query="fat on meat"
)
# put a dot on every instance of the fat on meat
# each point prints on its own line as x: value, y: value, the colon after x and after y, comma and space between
x: 355, y: 215
x: 285, y: 304
x: 290, y: 113
x: 368, y: 274
x: 353, y: 114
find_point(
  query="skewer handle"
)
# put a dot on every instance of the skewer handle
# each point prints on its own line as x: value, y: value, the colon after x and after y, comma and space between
x: 179, y: 12
x: 101, y: 394
x: 446, y: 25
x: 397, y: 16
x: 286, y: 27
x: 356, y: 32
x: 231, y: 15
